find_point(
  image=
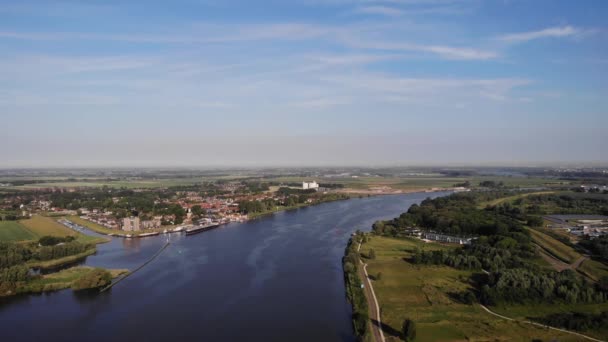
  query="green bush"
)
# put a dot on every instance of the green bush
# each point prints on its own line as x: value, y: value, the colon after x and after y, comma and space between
x: 97, y: 278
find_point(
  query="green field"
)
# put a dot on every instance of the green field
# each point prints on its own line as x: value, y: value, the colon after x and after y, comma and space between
x: 125, y: 183
x: 13, y: 231
x: 39, y: 226
x: 422, y: 293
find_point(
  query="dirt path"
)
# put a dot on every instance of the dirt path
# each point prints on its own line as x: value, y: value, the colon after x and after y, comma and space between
x: 372, y: 302
x: 540, y: 325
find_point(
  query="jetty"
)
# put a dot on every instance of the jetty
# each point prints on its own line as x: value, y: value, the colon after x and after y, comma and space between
x: 200, y: 229
x: 137, y: 269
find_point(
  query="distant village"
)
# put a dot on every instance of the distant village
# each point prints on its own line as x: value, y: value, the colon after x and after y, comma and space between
x: 189, y: 207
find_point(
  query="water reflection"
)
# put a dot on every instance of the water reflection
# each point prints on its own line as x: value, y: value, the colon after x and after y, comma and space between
x: 132, y: 244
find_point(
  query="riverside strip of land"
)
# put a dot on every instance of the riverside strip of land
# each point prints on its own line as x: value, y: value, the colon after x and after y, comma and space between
x: 423, y: 293
x: 41, y: 243
x: 420, y: 280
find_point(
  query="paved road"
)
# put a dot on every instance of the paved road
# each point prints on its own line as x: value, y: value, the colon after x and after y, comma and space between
x: 372, y: 302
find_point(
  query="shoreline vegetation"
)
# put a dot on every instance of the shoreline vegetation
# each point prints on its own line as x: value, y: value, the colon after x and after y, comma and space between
x: 57, y: 263
x: 42, y: 244
x: 354, y: 290
x: 445, y: 288
x: 279, y: 209
x: 77, y: 278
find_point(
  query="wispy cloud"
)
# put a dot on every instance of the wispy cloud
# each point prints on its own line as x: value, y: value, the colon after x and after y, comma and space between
x: 381, y: 10
x: 447, y: 52
x: 353, y: 36
x: 551, y: 32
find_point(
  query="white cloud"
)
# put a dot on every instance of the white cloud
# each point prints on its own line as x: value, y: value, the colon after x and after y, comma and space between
x: 551, y: 32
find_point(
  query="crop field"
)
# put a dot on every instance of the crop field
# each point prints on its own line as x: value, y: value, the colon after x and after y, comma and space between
x: 555, y: 247
x: 42, y: 226
x: 39, y: 226
x: 423, y: 293
x: 13, y: 231
x: 95, y: 182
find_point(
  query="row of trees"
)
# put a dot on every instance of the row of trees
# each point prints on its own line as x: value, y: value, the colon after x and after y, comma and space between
x: 520, y: 285
x: 580, y: 321
x: 12, y: 254
x: 54, y: 240
x: 60, y: 251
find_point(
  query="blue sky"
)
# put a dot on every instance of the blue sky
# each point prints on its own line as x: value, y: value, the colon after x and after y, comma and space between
x: 303, y: 82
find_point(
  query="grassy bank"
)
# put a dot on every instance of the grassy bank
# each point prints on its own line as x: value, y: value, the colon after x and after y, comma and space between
x: 554, y: 247
x: 426, y: 294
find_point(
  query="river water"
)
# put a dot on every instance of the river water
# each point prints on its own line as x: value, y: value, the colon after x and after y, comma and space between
x: 277, y: 278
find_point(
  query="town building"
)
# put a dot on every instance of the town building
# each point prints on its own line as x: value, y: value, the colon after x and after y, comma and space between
x: 310, y: 185
x: 130, y: 224
x: 447, y: 238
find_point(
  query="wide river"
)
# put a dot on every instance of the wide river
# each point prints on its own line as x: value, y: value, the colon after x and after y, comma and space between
x: 278, y: 278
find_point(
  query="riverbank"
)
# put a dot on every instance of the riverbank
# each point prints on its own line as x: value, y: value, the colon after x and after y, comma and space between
x: 56, y: 263
x: 354, y: 291
x: 63, y: 279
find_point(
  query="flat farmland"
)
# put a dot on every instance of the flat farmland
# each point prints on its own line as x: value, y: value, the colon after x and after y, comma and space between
x: 13, y: 231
